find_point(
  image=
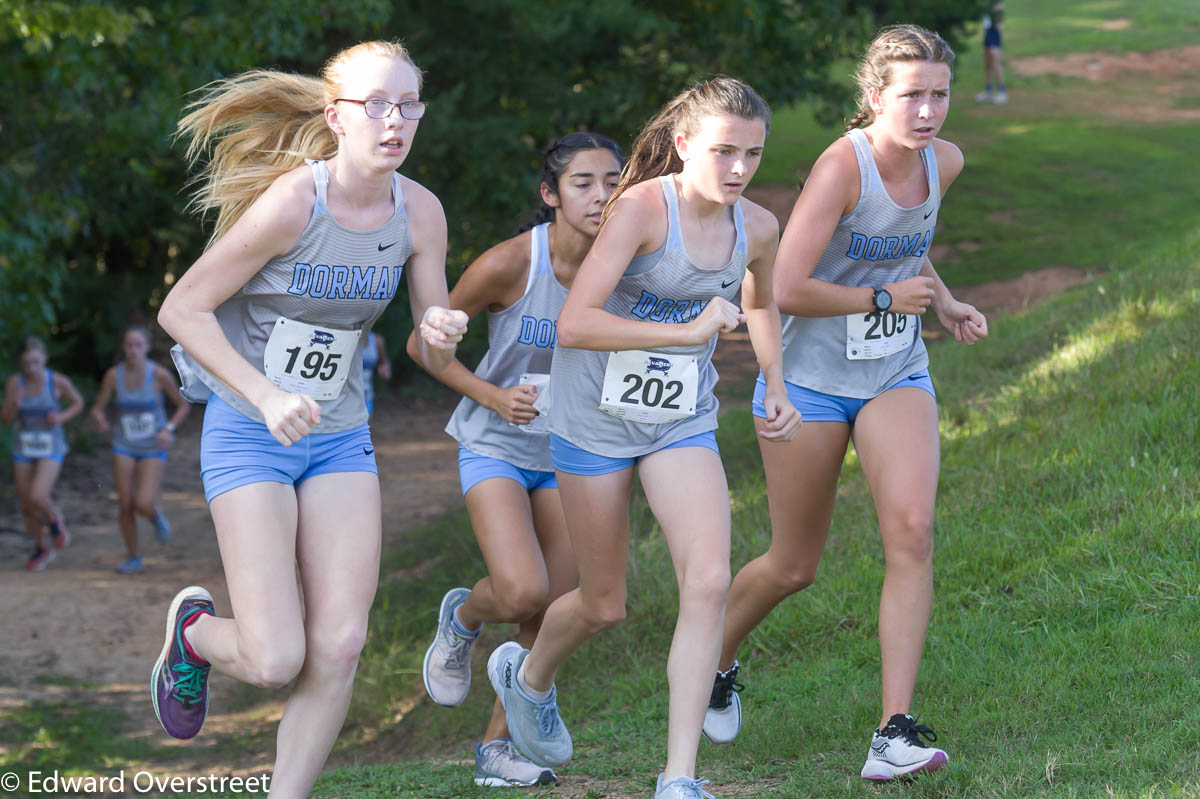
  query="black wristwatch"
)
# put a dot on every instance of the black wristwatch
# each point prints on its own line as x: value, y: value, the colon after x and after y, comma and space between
x: 882, y: 300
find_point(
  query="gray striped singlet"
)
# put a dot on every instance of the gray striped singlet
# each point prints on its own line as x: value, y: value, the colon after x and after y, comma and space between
x: 140, y: 414
x: 35, y: 438
x: 662, y: 286
x: 877, y: 243
x: 336, y: 280
x: 521, y: 340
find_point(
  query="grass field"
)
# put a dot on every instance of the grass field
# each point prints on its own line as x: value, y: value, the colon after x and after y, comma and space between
x: 1063, y: 656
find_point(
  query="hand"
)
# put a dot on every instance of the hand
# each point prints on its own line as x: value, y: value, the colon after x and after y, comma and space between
x: 101, y: 420
x: 290, y: 417
x: 966, y: 322
x: 719, y: 316
x: 783, y: 420
x: 515, y: 404
x: 911, y: 296
x: 384, y: 370
x: 443, y: 328
x: 52, y: 419
x: 163, y: 438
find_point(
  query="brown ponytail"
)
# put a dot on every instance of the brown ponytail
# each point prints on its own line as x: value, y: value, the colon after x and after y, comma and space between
x: 891, y: 44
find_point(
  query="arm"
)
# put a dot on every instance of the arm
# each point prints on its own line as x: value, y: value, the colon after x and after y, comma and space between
x: 440, y: 329
x: 967, y: 323
x: 495, y: 280
x: 108, y: 384
x: 384, y: 367
x: 166, y: 384
x: 830, y: 193
x: 64, y: 387
x: 762, y: 321
x: 270, y: 226
x: 636, y: 225
x: 12, y: 400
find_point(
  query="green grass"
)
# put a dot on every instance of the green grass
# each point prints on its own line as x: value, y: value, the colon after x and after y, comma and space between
x: 1063, y: 654
x: 1068, y: 26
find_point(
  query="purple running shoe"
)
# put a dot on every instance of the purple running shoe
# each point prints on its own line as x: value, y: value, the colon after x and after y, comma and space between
x: 179, y: 682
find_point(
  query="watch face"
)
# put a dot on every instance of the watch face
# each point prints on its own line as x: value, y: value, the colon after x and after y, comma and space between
x: 883, y: 300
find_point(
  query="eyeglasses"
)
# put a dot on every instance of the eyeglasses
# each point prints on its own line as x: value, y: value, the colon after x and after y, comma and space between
x: 382, y: 109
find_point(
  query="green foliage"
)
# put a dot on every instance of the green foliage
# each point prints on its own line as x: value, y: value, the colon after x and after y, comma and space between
x: 93, y: 231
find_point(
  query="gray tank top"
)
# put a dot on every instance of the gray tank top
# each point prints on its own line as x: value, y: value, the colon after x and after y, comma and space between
x: 328, y: 290
x: 140, y: 414
x: 35, y: 437
x: 662, y: 286
x: 878, y: 242
x: 521, y: 341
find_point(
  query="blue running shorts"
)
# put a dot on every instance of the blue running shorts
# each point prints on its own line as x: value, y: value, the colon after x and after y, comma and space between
x: 237, y: 451
x: 575, y: 460
x: 474, y: 469
x: 817, y: 407
x: 140, y: 456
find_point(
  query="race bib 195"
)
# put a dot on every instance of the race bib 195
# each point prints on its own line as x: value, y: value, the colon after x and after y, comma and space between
x: 650, y: 387
x: 877, y: 335
x: 311, y: 360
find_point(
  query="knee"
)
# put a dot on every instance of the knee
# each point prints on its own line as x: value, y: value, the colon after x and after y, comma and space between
x: 604, y: 612
x: 521, y: 601
x: 275, y: 664
x: 910, y: 536
x: 793, y: 576
x: 335, y: 651
x: 144, y: 508
x: 125, y: 506
x: 708, y: 585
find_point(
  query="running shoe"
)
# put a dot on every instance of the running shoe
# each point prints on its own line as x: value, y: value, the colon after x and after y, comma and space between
x: 39, y: 559
x: 723, y: 719
x: 984, y: 97
x: 59, y: 535
x: 447, y: 669
x: 162, y: 527
x: 1001, y: 97
x: 897, y: 750
x: 535, y: 726
x: 179, y: 681
x: 498, y: 764
x: 681, y: 788
x: 131, y: 566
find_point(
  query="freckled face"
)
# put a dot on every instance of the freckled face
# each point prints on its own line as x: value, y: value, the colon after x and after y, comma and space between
x: 722, y: 156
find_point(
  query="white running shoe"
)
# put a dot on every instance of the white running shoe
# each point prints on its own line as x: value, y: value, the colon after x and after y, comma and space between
x: 897, y: 751
x: 1001, y: 97
x: 723, y: 719
x: 681, y: 788
x: 447, y: 668
x: 498, y: 764
x: 983, y: 97
x: 536, y: 727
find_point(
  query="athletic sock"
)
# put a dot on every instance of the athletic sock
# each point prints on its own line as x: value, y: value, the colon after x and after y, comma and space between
x: 188, y: 622
x: 537, y: 696
x: 461, y: 628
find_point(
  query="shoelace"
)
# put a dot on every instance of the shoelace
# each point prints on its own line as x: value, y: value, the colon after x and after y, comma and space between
x: 189, y: 682
x: 694, y: 785
x: 726, y: 683
x: 910, y: 732
x: 547, y: 717
x: 458, y: 649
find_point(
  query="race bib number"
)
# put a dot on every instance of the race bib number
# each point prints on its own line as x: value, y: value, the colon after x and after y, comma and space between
x: 650, y: 387
x: 37, y: 443
x: 542, y: 404
x: 309, y: 360
x: 878, y: 335
x: 138, y: 426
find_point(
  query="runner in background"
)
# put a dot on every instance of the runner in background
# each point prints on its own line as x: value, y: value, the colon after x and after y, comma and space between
x: 993, y: 67
x: 141, y: 437
x: 374, y: 361
x: 504, y: 458
x: 32, y: 405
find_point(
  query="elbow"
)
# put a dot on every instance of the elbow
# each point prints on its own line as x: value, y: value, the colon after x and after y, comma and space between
x: 567, y: 332
x: 168, y: 318
x: 413, y: 349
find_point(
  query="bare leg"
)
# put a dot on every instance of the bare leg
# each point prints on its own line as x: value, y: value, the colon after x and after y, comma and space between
x: 338, y: 545
x: 32, y: 506
x: 801, y: 488
x: 149, y: 482
x: 900, y: 428
x: 124, y: 468
x: 687, y: 491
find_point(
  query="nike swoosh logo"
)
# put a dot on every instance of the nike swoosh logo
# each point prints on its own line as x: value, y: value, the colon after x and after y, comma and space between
x: 929, y: 214
x: 727, y: 285
x: 368, y: 450
x: 393, y: 244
